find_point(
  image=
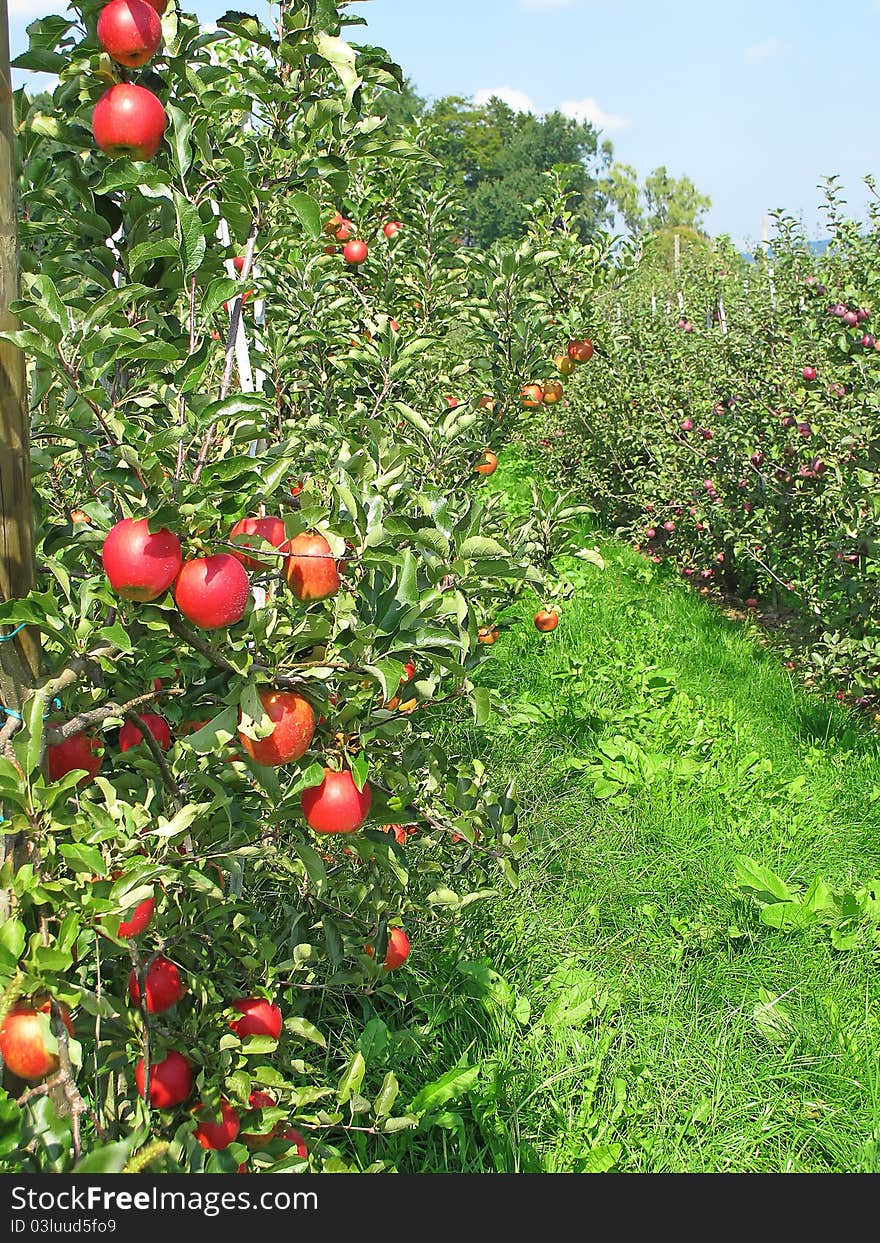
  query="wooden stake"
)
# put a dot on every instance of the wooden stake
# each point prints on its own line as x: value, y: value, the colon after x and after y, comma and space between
x: 19, y: 657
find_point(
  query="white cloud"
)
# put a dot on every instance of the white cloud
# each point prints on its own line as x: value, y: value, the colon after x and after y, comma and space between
x: 766, y: 51
x: 519, y: 101
x: 589, y: 110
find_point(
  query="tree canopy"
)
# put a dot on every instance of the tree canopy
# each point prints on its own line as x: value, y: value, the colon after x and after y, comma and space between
x: 498, y: 158
x: 661, y: 202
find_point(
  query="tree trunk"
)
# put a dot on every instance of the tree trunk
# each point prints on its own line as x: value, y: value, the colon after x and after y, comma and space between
x: 19, y: 657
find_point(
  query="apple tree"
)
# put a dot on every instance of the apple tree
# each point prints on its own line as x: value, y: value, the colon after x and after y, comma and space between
x: 265, y: 564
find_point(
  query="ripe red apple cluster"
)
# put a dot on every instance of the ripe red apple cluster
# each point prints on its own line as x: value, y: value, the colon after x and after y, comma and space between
x: 212, y: 592
x: 129, y: 120
x: 354, y: 251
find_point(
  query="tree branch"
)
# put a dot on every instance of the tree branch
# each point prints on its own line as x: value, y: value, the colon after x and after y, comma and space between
x: 97, y: 716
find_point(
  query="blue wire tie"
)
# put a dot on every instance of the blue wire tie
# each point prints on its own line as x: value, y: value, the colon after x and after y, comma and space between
x: 4, y: 638
x: 56, y: 703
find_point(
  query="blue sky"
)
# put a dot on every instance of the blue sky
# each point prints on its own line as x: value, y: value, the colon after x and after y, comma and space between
x: 756, y: 101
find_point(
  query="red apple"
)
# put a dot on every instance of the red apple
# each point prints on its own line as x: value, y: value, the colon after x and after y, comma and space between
x: 163, y: 984
x: 22, y: 1041
x: 238, y: 263
x: 171, y: 1080
x: 580, y: 351
x: 336, y: 805
x: 211, y: 1134
x: 129, y: 31
x: 269, y: 529
x: 159, y: 5
x: 140, y: 564
x: 260, y: 1018
x: 79, y: 751
x: 392, y: 228
x: 311, y: 570
x: 809, y: 374
x: 295, y: 1140
x: 130, y: 736
x: 212, y: 592
x: 129, y: 120
x: 139, y: 919
x: 294, y: 721
x: 355, y: 252
x: 546, y: 620
x: 398, y: 949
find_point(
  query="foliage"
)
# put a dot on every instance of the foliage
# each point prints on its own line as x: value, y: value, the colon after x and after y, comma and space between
x: 706, y: 438
x: 498, y: 159
x: 662, y: 202
x: 326, y: 404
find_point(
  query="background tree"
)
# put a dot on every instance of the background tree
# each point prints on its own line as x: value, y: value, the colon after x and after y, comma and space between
x: 674, y: 202
x: 663, y: 202
x: 497, y: 158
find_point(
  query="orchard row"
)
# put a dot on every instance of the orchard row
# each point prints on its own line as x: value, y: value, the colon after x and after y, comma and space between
x: 744, y: 448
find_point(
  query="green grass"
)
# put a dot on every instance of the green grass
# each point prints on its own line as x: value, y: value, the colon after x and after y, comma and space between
x: 700, y: 1039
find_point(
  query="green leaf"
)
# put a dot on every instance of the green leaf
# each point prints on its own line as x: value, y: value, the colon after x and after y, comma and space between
x: 788, y: 916
x: 413, y: 417
x: 360, y: 770
x: 388, y: 1093
x: 373, y: 1041
x: 179, y: 138
x: 191, y: 235
x: 579, y: 1002
x: 82, y: 859
x: 352, y: 1078
x: 478, y: 546
x: 105, y: 1159
x: 765, y: 885
x: 302, y: 1027
x: 592, y: 556
x: 308, y: 211
x: 448, y: 1087
x: 819, y: 898
x: 10, y: 1124
x: 481, y: 700
x: 313, y: 864
x: 341, y: 56
x: 600, y: 1159
x: 219, y: 731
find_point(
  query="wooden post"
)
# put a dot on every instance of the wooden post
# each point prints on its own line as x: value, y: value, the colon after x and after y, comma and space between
x: 19, y: 657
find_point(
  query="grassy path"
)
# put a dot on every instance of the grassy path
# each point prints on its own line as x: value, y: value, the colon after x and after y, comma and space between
x: 644, y: 1017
